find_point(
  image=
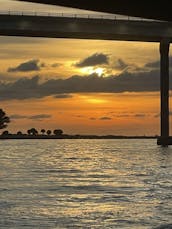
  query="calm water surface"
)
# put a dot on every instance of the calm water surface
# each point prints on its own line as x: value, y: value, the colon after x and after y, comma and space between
x: 85, y: 184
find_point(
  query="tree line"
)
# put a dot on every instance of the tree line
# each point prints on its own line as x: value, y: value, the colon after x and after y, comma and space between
x: 5, y: 120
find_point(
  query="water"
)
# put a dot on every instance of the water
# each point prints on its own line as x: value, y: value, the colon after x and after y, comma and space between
x: 85, y: 184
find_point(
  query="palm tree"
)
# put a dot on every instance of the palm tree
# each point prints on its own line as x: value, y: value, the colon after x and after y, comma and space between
x: 19, y: 133
x: 29, y: 132
x: 43, y: 131
x: 32, y: 131
x: 6, y: 132
x: 58, y: 132
x: 4, y: 120
x: 48, y: 132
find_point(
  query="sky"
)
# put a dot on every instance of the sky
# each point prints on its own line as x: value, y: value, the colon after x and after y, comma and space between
x: 80, y: 86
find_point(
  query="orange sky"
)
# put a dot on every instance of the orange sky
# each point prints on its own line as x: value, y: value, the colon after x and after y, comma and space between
x: 127, y: 113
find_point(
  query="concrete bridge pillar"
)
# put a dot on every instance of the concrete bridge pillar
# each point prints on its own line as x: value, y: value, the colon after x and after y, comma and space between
x: 164, y: 87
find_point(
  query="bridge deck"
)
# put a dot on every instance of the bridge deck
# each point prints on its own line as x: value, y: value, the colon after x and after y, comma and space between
x: 84, y: 28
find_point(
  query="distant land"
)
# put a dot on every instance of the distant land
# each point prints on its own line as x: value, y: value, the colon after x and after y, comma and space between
x: 77, y: 136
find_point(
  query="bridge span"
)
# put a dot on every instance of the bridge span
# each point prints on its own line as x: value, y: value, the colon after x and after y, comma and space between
x: 101, y: 29
x: 62, y: 26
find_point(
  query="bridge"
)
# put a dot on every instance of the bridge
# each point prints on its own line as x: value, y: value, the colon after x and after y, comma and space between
x: 101, y: 28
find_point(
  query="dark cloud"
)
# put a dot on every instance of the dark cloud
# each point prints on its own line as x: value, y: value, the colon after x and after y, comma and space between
x: 92, y: 118
x: 127, y: 115
x: 63, y: 96
x: 40, y: 117
x: 157, y: 115
x: 56, y: 65
x: 78, y: 116
x: 120, y: 65
x: 27, y: 88
x: 156, y: 64
x: 20, y: 89
x: 121, y: 115
x: 105, y: 118
x: 16, y: 116
x: 140, y: 115
x: 31, y: 65
x: 7, y: 77
x: 93, y: 60
x: 33, y: 117
x: 42, y: 65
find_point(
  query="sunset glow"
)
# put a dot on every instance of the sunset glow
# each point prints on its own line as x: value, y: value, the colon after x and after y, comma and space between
x: 90, y: 70
x: 81, y: 86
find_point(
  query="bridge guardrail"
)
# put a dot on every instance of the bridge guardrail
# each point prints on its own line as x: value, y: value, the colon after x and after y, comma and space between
x: 56, y: 14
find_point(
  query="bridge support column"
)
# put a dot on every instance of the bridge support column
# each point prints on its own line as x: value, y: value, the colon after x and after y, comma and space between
x: 164, y: 87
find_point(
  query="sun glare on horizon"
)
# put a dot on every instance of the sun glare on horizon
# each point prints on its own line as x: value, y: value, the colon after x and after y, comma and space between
x: 93, y: 99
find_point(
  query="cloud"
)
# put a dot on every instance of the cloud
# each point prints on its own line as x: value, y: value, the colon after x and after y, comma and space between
x: 17, y: 116
x: 121, y: 115
x: 56, y: 65
x: 31, y: 65
x: 27, y: 88
x: 92, y: 118
x: 105, y: 118
x: 63, y: 96
x: 42, y: 65
x: 140, y: 115
x: 156, y: 64
x: 93, y: 60
x: 7, y: 77
x: 144, y: 79
x: 125, y: 115
x: 120, y: 65
x: 39, y: 117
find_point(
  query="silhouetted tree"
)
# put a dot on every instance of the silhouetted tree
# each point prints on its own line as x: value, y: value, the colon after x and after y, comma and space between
x: 43, y: 131
x: 32, y: 131
x: 6, y: 132
x: 29, y: 132
x: 58, y: 132
x: 4, y: 120
x: 48, y: 132
x: 19, y: 133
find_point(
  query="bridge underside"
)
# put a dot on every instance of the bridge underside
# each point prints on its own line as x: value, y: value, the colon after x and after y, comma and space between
x: 159, y: 10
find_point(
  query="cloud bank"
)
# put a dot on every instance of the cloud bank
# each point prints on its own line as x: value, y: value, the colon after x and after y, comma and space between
x: 145, y: 79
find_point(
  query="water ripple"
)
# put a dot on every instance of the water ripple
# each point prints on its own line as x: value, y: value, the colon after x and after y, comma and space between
x: 85, y: 184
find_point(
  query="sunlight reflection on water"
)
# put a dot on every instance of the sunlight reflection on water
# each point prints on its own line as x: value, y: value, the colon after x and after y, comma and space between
x: 85, y: 184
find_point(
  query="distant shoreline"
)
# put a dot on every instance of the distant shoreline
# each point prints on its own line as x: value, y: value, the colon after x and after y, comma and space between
x: 65, y: 136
